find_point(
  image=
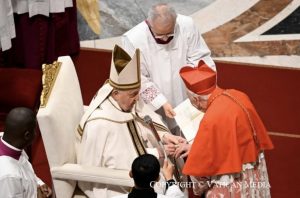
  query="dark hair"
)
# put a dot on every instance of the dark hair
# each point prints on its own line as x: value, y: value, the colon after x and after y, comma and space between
x: 145, y: 169
x: 20, y: 121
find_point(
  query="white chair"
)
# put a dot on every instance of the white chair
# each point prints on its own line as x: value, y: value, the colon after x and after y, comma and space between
x: 58, y: 117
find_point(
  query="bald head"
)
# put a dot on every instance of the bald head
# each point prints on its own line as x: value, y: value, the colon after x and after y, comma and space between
x: 19, y: 129
x: 162, y: 14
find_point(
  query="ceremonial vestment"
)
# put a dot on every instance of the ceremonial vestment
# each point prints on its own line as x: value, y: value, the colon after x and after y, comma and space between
x: 112, y: 138
x: 228, y: 148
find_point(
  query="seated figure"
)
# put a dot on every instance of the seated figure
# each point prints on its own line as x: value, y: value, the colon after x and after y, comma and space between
x: 113, y: 131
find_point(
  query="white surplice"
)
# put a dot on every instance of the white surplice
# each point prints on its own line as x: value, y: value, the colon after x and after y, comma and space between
x: 160, y: 63
x: 17, y: 177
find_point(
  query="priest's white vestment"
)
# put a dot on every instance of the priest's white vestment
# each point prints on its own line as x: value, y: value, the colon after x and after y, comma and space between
x: 112, y: 138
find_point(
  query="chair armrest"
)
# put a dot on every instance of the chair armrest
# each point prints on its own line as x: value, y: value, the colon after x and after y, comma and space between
x: 92, y: 174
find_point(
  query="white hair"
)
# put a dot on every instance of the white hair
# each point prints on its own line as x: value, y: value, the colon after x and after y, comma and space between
x: 167, y: 14
x: 203, y: 97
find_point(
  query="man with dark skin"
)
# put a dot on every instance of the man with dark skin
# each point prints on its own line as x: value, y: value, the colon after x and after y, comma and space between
x: 17, y: 177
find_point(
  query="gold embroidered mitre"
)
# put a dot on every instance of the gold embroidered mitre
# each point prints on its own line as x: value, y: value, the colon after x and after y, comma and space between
x: 124, y: 70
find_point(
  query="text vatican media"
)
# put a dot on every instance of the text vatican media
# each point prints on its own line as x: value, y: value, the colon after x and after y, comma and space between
x: 219, y: 184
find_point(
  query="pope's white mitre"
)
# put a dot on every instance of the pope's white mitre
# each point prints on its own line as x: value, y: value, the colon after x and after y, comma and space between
x: 124, y: 70
x: 124, y: 75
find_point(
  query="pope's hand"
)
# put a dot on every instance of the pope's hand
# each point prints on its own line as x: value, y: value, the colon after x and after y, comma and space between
x: 169, y: 138
x: 169, y: 110
x: 170, y: 149
x: 171, y: 143
x: 182, y: 150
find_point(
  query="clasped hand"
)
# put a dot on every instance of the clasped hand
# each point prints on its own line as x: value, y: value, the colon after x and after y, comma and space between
x: 176, y: 146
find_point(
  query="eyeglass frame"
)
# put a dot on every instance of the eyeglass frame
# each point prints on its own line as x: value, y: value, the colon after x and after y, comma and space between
x: 161, y: 36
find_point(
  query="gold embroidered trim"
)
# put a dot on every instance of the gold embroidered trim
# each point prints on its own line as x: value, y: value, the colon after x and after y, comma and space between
x: 138, y: 60
x: 102, y: 118
x: 140, y: 149
x: 80, y: 130
x: 159, y: 126
x: 132, y: 85
x: 50, y: 72
x: 156, y: 125
x: 124, y: 87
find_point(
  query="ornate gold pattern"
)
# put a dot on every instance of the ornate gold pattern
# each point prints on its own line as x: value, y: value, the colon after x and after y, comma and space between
x: 50, y: 72
x: 135, y: 138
